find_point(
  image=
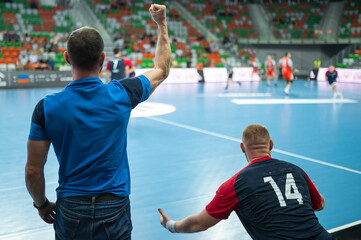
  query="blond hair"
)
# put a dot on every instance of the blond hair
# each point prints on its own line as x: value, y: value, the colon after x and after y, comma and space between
x: 256, y: 136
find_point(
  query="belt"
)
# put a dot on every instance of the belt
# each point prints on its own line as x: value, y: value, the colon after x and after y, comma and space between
x: 99, y: 198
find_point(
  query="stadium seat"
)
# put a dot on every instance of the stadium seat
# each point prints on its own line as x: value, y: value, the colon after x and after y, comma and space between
x: 295, y: 19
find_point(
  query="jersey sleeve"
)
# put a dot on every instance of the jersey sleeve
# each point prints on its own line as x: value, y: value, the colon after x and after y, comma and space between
x: 37, y: 128
x: 315, y: 195
x: 225, y: 200
x: 128, y: 62
x: 290, y: 63
x: 327, y: 74
x: 138, y: 89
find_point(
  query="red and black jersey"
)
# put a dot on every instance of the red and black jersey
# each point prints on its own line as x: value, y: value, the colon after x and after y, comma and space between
x: 331, y: 76
x: 273, y: 199
x: 117, y: 66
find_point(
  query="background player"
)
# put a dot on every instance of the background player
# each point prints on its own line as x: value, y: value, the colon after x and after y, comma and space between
x: 287, y: 66
x: 129, y: 63
x: 270, y: 70
x: 272, y: 198
x: 255, y: 69
x: 331, y: 77
x: 117, y: 67
x: 229, y: 68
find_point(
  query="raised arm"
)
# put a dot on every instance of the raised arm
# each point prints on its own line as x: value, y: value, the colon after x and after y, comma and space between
x: 195, y: 223
x: 163, y: 52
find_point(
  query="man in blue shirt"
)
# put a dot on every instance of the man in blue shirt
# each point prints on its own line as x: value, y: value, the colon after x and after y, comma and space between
x: 87, y: 125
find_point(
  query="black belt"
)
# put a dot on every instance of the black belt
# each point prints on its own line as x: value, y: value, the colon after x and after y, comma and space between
x: 99, y: 198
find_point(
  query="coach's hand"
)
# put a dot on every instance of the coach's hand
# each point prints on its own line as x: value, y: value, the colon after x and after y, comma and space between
x: 48, y: 213
x: 158, y: 13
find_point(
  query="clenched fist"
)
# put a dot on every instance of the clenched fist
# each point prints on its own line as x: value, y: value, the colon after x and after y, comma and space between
x: 158, y: 13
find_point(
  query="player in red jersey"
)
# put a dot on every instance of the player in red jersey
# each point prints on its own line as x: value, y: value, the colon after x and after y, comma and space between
x: 117, y: 67
x: 331, y: 77
x: 129, y: 63
x: 270, y: 70
x: 273, y: 199
x: 255, y: 70
x: 287, y: 66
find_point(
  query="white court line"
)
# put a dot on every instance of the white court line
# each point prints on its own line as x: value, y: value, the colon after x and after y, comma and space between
x: 26, y: 232
x: 248, y: 101
x: 239, y: 140
x: 21, y: 187
x: 336, y: 229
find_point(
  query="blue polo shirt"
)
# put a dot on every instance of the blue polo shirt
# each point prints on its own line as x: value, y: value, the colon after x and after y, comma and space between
x: 87, y: 125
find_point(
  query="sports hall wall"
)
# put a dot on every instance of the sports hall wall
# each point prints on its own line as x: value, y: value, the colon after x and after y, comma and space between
x: 303, y: 56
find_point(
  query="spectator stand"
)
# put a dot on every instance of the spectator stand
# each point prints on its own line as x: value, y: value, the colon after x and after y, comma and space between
x: 28, y: 28
x: 295, y: 19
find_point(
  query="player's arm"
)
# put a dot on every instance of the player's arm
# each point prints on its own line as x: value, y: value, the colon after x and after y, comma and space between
x: 326, y: 78
x: 322, y: 203
x: 192, y: 224
x: 34, y: 178
x: 126, y: 71
x: 163, y: 52
x: 317, y: 200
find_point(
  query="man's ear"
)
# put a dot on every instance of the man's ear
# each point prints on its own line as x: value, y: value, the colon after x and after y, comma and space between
x: 271, y: 145
x: 101, y: 60
x: 66, y: 57
x: 243, y: 147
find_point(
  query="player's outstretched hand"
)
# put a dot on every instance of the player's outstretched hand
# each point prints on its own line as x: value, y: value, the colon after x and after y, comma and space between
x: 158, y: 13
x: 48, y: 213
x: 163, y: 217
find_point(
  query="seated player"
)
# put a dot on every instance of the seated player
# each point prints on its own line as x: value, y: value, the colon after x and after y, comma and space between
x: 287, y: 66
x: 270, y: 70
x: 331, y: 77
x: 272, y: 198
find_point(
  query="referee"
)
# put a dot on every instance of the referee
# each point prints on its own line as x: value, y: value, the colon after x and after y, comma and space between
x: 87, y: 125
x: 272, y: 198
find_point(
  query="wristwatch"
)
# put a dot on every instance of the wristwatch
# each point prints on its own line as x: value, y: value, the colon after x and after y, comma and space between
x: 42, y: 206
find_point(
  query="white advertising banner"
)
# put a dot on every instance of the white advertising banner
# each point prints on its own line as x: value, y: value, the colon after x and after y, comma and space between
x: 190, y: 75
x: 176, y: 75
x: 220, y: 74
x: 344, y: 75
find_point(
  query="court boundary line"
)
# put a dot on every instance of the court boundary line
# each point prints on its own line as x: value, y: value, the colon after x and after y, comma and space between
x: 195, y: 129
x: 343, y: 227
x: 26, y: 231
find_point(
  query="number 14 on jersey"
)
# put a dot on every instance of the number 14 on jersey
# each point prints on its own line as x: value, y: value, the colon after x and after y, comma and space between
x: 290, y: 185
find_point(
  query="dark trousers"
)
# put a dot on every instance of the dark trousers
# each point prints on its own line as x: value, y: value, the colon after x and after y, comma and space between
x: 79, y: 218
x: 315, y: 72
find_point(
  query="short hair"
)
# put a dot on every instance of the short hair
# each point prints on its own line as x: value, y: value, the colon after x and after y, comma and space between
x: 116, y: 50
x: 255, y: 136
x: 85, y: 46
x: 287, y: 53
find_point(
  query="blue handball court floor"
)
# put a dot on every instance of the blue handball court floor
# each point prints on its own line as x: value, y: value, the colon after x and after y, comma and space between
x: 183, y: 143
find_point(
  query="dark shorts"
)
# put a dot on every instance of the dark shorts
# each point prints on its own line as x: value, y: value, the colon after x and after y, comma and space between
x: 331, y: 82
x: 288, y: 81
x: 230, y: 75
